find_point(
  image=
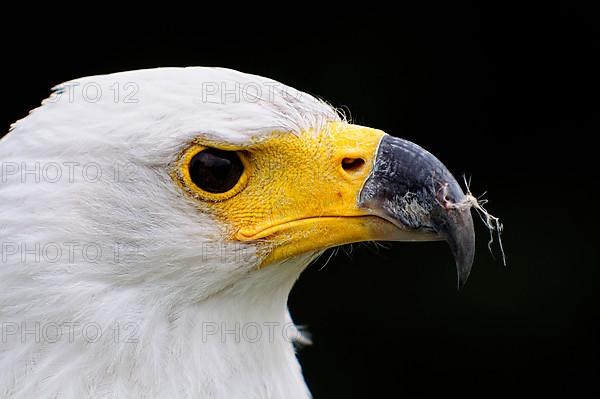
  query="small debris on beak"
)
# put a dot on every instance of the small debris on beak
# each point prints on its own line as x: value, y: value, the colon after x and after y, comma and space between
x: 492, y: 223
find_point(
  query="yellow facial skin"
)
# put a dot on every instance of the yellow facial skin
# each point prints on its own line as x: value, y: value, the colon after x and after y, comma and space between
x: 298, y: 193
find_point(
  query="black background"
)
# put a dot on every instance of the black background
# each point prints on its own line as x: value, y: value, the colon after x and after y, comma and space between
x: 507, y: 95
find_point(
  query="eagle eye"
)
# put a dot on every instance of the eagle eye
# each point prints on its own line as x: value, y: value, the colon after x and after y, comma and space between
x: 215, y: 171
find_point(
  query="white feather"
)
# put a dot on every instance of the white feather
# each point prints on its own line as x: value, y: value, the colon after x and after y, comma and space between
x: 179, y: 280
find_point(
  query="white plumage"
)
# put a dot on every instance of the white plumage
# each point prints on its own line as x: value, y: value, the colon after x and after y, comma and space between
x: 171, y: 292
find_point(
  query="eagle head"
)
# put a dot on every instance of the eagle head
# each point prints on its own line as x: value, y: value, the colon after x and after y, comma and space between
x: 172, y: 208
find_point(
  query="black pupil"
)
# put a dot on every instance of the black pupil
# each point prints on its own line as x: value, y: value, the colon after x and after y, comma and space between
x: 216, y: 171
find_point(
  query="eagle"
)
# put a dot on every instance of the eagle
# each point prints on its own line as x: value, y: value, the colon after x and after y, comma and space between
x: 153, y: 223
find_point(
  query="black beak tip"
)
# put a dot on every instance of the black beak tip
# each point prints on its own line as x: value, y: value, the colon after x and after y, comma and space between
x: 459, y: 233
x: 406, y: 174
x: 464, y: 254
x: 462, y: 278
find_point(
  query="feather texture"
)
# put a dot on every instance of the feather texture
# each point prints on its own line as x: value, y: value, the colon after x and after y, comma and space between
x: 99, y: 244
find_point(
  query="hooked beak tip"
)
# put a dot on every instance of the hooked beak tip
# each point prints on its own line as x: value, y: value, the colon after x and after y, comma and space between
x: 405, y: 186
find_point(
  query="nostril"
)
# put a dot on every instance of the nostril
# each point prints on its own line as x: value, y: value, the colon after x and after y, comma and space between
x: 352, y: 164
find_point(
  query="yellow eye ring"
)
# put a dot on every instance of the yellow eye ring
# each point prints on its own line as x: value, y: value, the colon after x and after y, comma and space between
x: 185, y: 179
